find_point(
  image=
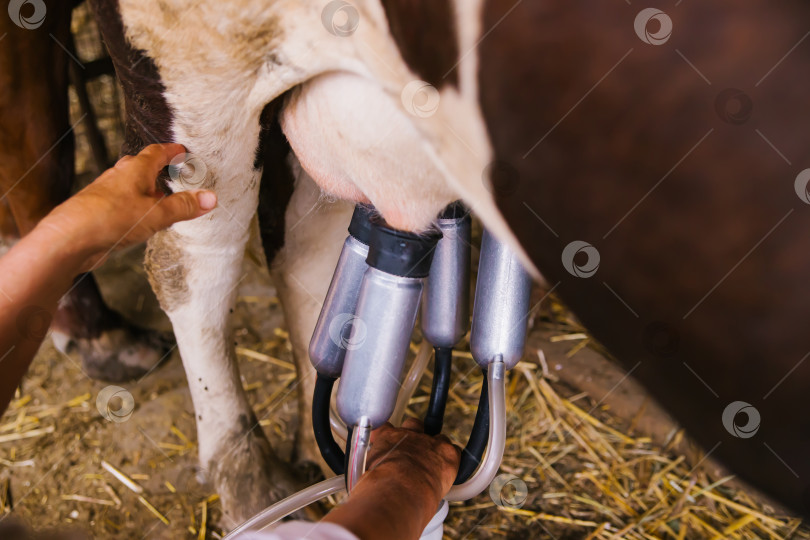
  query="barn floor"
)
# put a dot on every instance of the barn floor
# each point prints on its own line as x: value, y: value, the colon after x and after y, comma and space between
x: 588, y: 474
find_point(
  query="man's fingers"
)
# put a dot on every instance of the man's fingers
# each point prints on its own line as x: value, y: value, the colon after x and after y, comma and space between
x: 453, y: 449
x: 186, y: 205
x: 444, y: 438
x: 207, y: 200
x: 380, y: 430
x: 156, y: 156
x: 413, y: 424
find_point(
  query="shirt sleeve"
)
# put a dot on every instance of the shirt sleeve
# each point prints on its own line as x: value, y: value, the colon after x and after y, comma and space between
x: 301, y: 530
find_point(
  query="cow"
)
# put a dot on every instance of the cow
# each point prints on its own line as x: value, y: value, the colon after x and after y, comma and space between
x: 650, y: 161
x: 251, y: 160
x: 36, y: 151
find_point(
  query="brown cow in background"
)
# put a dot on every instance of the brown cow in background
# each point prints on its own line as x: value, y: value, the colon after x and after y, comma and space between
x: 36, y: 152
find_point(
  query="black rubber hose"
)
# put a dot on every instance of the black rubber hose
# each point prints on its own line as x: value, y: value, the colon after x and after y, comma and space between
x: 477, y: 443
x: 330, y: 450
x: 438, y: 394
x: 347, y: 456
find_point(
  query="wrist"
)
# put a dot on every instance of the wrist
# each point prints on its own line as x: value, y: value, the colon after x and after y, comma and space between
x: 417, y: 487
x: 66, y: 241
x: 410, y: 474
x: 385, y: 507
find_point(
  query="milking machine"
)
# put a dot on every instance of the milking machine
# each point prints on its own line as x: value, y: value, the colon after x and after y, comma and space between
x: 363, y: 334
x: 446, y: 306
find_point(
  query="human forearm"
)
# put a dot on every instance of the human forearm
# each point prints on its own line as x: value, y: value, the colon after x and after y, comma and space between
x: 120, y: 208
x: 388, y: 504
x: 34, y: 275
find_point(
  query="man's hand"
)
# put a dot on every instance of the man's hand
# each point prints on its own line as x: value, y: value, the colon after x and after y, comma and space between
x: 409, y: 473
x: 122, y: 207
x: 406, y: 454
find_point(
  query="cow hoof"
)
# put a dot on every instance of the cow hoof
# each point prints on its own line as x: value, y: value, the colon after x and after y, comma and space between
x: 307, y: 457
x: 120, y: 354
x: 249, y: 477
x: 309, y: 472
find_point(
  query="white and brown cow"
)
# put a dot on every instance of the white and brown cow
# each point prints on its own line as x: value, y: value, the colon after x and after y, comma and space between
x: 667, y: 144
x: 239, y: 83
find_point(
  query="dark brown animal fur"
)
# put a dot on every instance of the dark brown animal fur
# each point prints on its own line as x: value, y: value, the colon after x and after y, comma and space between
x: 37, y: 166
x: 149, y: 118
x: 425, y: 32
x: 277, y: 181
x: 685, y: 238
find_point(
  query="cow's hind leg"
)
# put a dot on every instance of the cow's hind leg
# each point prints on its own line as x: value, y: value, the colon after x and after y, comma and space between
x: 110, y: 347
x: 302, y: 241
x: 195, y: 268
x: 315, y: 229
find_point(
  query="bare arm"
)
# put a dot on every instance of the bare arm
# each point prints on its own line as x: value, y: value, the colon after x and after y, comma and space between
x: 120, y: 208
x: 409, y: 474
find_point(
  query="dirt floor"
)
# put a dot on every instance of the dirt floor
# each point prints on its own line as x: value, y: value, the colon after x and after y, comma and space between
x: 588, y: 454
